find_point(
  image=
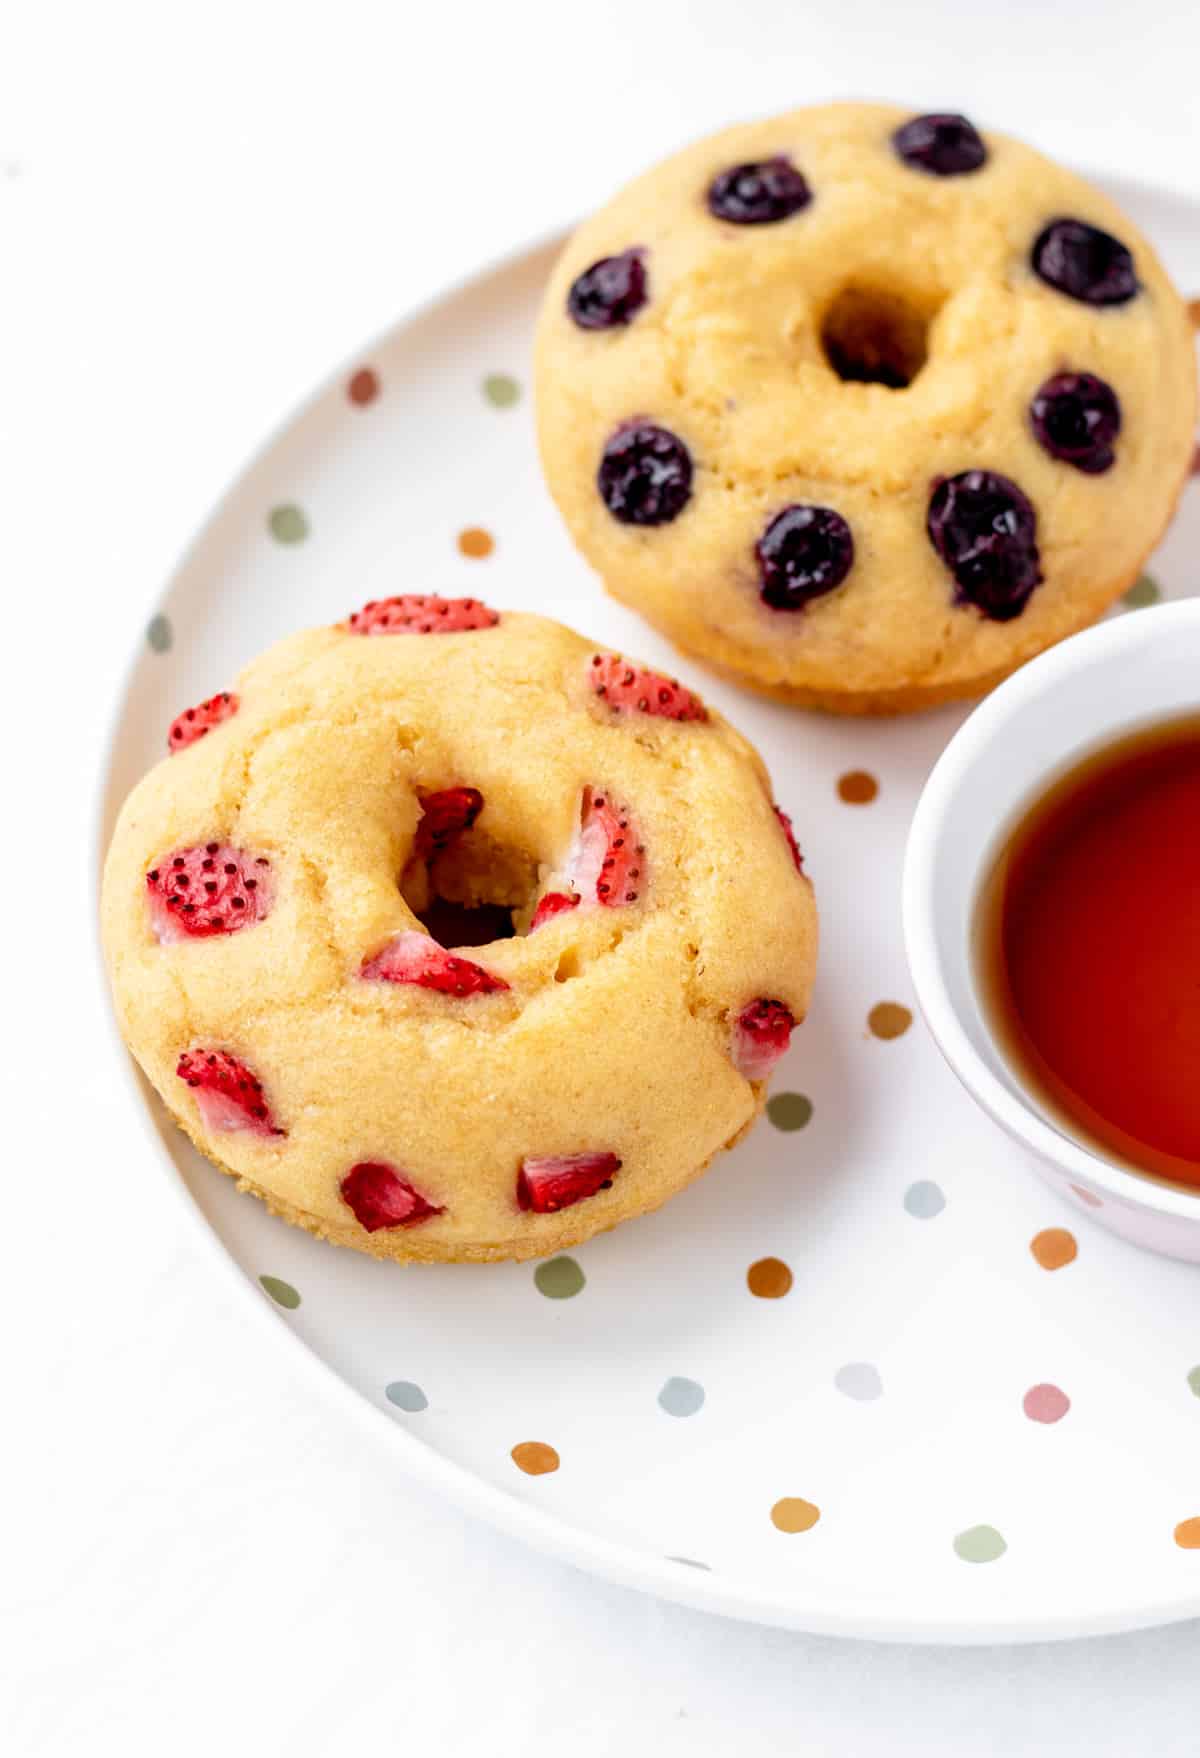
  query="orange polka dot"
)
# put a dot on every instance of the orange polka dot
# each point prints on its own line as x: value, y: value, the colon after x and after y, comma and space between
x: 769, y: 1278
x: 476, y: 542
x: 535, y: 1458
x: 1054, y: 1247
x: 363, y: 387
x: 794, y: 1514
x: 887, y: 1019
x: 1194, y: 312
x: 1187, y: 1533
x: 857, y: 787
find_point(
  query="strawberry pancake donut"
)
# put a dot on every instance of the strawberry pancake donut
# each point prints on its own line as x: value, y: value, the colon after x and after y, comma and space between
x: 862, y: 407
x: 453, y: 937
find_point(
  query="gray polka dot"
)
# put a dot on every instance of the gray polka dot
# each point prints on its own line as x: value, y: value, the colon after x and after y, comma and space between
x: 158, y: 634
x: 858, y: 1379
x: 681, y: 1397
x: 406, y: 1396
x: 924, y: 1199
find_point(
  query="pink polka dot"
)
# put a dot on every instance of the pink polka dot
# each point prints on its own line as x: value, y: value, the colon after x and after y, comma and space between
x: 1046, y: 1403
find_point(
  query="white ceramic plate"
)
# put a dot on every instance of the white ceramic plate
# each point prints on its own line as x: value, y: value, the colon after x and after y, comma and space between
x: 881, y: 1404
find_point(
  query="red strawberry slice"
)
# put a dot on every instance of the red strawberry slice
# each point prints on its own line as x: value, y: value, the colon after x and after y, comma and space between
x: 607, y: 863
x: 229, y: 1097
x: 193, y: 723
x: 209, y: 889
x: 555, y: 903
x: 562, y: 1179
x: 417, y: 613
x: 382, y: 1197
x: 760, y: 1037
x: 444, y: 816
x: 411, y: 957
x: 786, y: 825
x: 633, y: 688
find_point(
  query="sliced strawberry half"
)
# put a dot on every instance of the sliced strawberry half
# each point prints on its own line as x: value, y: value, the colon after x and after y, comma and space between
x: 228, y: 1095
x: 636, y: 689
x: 411, y: 957
x: 607, y: 863
x: 785, y: 824
x: 193, y: 723
x: 382, y: 1197
x: 444, y: 816
x: 554, y: 903
x: 559, y: 1180
x: 760, y: 1037
x: 206, y: 890
x: 417, y: 613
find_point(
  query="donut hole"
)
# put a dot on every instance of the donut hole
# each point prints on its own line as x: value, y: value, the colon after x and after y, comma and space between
x: 877, y: 336
x: 462, y: 924
x: 468, y: 894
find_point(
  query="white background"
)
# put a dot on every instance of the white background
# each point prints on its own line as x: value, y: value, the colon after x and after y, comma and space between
x: 201, y: 210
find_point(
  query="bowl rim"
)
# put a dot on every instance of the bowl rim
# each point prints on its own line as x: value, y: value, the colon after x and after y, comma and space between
x: 934, y: 820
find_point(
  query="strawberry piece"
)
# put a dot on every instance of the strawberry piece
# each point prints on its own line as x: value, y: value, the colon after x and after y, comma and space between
x: 555, y: 903
x: 562, y: 1179
x: 631, y: 688
x: 193, y: 723
x: 382, y: 1197
x: 606, y: 864
x: 786, y: 826
x: 444, y: 816
x: 411, y: 957
x: 760, y: 1037
x: 417, y: 613
x: 209, y: 889
x: 228, y: 1095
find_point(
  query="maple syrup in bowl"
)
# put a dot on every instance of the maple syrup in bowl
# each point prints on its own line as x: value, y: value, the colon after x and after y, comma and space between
x: 1088, y: 949
x: 1051, y: 903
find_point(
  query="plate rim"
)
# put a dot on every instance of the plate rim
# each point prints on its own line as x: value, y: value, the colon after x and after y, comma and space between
x: 550, y: 1534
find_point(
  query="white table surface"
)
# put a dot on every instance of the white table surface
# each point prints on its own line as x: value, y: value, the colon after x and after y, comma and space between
x: 201, y: 210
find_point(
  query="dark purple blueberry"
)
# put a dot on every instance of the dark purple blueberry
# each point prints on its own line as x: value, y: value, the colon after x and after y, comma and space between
x: 610, y: 293
x: 757, y: 194
x: 1084, y: 263
x: 645, y: 475
x: 943, y: 144
x: 985, y: 530
x: 1076, y: 417
x: 804, y: 552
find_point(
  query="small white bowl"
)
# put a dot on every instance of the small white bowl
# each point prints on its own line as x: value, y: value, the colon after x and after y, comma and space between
x: 1129, y: 672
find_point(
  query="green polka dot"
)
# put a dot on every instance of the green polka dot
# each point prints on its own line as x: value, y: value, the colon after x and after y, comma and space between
x: 1194, y: 1380
x: 501, y: 390
x: 559, y: 1279
x: 282, y: 1293
x: 158, y: 634
x: 789, y: 1110
x: 1143, y: 592
x: 287, y: 523
x: 979, y: 1544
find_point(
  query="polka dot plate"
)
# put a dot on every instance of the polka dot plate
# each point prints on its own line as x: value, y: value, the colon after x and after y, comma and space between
x: 868, y: 1376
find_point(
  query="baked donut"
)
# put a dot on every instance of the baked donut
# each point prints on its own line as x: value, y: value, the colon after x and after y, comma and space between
x: 864, y: 408
x: 265, y: 903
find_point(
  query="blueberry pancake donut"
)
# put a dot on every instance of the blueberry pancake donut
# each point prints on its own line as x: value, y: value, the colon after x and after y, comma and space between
x: 862, y: 407
x: 453, y: 937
